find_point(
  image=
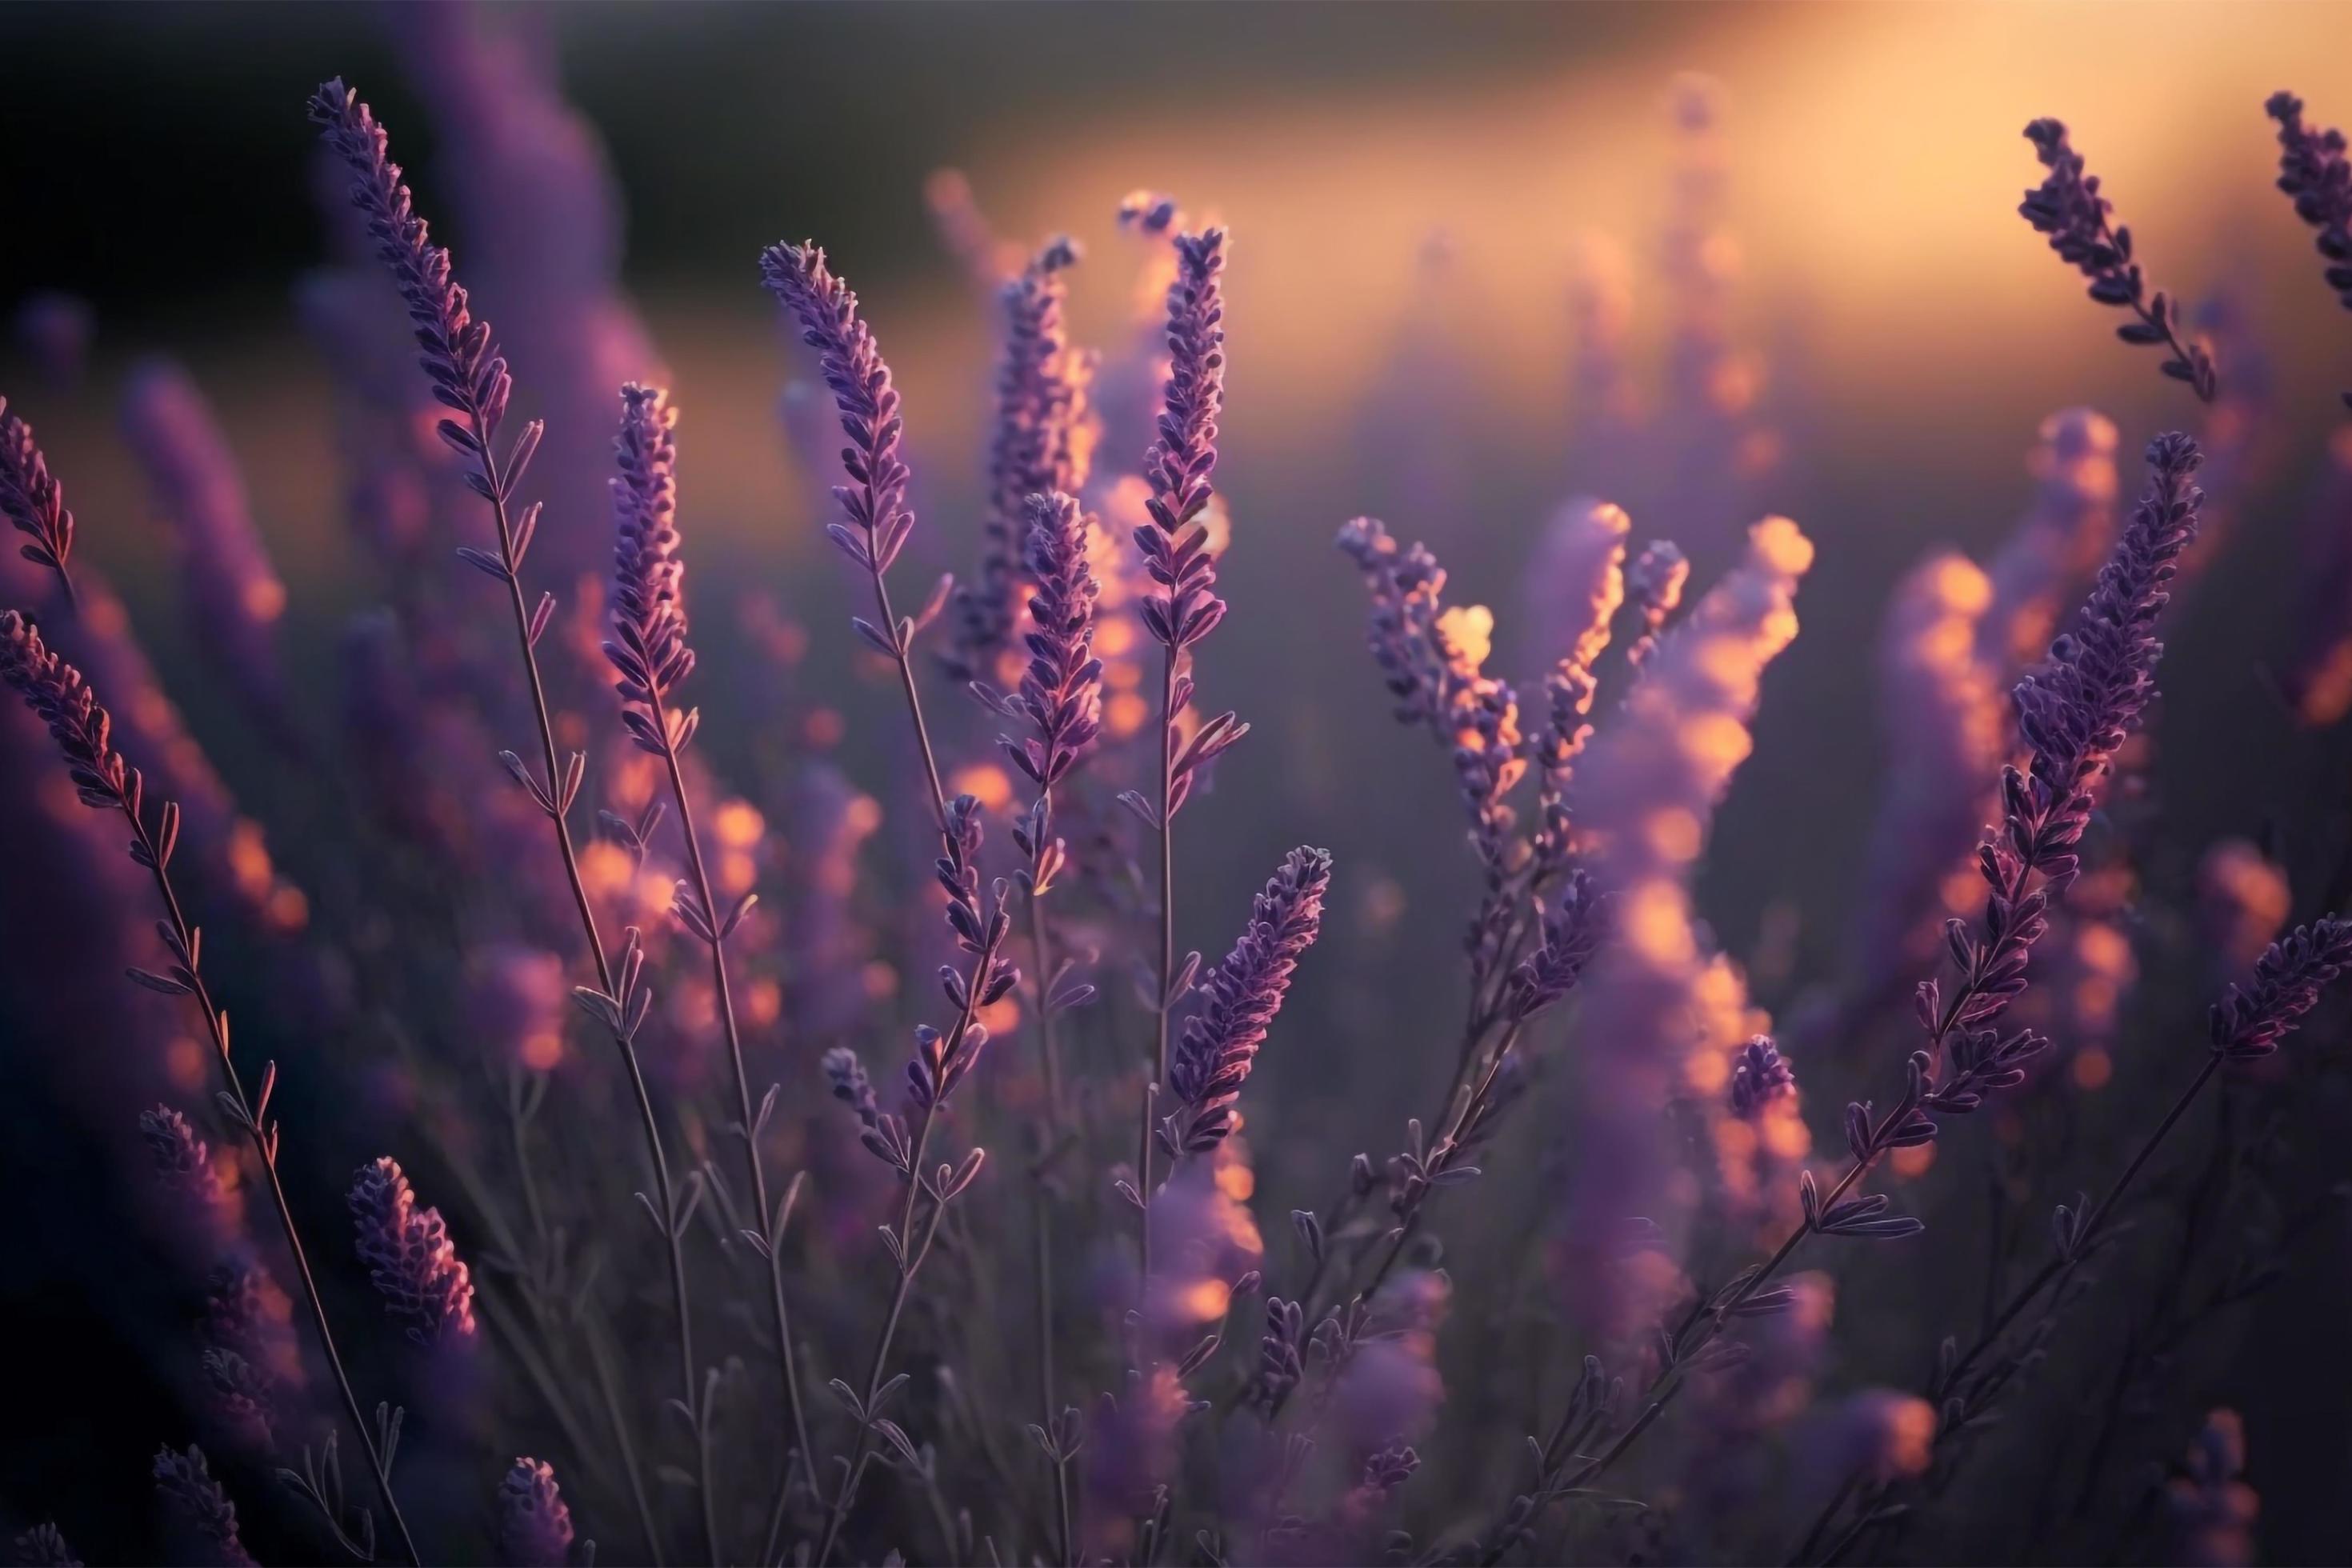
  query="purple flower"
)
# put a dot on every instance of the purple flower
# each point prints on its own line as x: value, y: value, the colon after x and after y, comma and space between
x: 34, y: 499
x: 2075, y: 712
x: 465, y: 366
x: 407, y: 1251
x: 2313, y: 170
x: 1175, y: 539
x: 648, y: 646
x: 2057, y: 545
x: 940, y: 1062
x: 55, y: 690
x: 225, y: 568
x: 1212, y: 1059
x: 854, y: 369
x: 1060, y: 690
x: 1654, y: 585
x: 204, y: 1519
x: 534, y: 1522
x: 1041, y: 445
x: 1572, y: 931
x: 2068, y: 207
x: 2251, y: 1019
x: 1759, y: 1075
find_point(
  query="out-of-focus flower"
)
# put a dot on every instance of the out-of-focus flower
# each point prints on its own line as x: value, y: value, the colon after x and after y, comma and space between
x: 2211, y: 1507
x: 534, y: 1523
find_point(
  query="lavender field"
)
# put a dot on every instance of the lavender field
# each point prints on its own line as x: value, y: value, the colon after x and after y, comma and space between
x: 1176, y: 784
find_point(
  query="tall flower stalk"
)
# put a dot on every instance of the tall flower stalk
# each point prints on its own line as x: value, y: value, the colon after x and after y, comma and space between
x: 1174, y: 543
x: 1060, y: 702
x: 2074, y: 713
x: 469, y: 376
x: 879, y: 521
x: 2248, y: 1024
x: 35, y: 501
x: 2067, y: 206
x: 56, y: 691
x: 649, y: 651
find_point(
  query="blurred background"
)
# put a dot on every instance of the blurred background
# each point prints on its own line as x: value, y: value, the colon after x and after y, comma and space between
x: 1439, y: 214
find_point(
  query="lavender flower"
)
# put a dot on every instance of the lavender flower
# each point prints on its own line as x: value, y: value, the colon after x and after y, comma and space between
x: 234, y: 590
x: 200, y: 1510
x: 1941, y: 716
x: 1760, y: 1076
x: 1572, y: 931
x: 467, y: 370
x: 2313, y: 170
x: 876, y: 501
x: 1212, y: 1061
x: 1041, y: 445
x: 1654, y: 584
x: 2057, y: 547
x: 1647, y: 788
x: 1578, y: 583
x: 648, y: 646
x: 35, y: 502
x: 1175, y: 541
x: 942, y: 1060
x: 1060, y: 690
x: 534, y: 1522
x: 2068, y: 207
x: 42, y: 1547
x: 427, y: 1289
x: 54, y: 689
x: 2075, y: 710
x: 2250, y: 1020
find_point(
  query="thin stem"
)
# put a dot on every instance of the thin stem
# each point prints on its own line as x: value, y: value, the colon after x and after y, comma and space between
x: 265, y: 1146
x: 1041, y: 950
x: 496, y: 482
x: 1167, y: 670
x: 781, y: 1314
x: 910, y: 1260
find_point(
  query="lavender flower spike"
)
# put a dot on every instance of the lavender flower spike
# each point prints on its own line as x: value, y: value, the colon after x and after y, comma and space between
x: 876, y: 499
x: 2313, y: 170
x: 2075, y: 710
x: 406, y: 1249
x: 233, y: 588
x: 2067, y: 207
x: 535, y: 1522
x: 2252, y: 1018
x: 1760, y: 1076
x: 1220, y: 1042
x: 33, y: 501
x: 1061, y: 691
x: 56, y: 691
x: 648, y: 647
x: 1184, y: 452
x: 200, y: 1512
x: 467, y: 370
x: 1041, y: 445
